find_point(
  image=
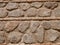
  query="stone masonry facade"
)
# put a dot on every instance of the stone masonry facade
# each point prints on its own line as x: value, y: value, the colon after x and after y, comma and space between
x: 30, y: 22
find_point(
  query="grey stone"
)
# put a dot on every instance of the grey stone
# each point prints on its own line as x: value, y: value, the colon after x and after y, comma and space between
x: 23, y: 26
x: 2, y: 37
x: 55, y: 25
x: 40, y: 34
x: 46, y: 12
x: 51, y: 35
x: 11, y: 6
x: 56, y: 12
x: 14, y: 37
x: 46, y: 25
x: 24, y: 6
x: 36, y: 4
x: 29, y: 38
x: 31, y: 12
x: 16, y: 13
x: 51, y: 5
x: 33, y: 26
x: 3, y: 13
x: 2, y: 4
x: 2, y: 25
x: 10, y: 26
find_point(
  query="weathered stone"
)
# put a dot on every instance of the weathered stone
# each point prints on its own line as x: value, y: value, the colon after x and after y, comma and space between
x: 31, y: 12
x: 46, y: 12
x: 23, y: 26
x: 24, y: 6
x: 55, y: 25
x: 14, y: 37
x: 10, y: 26
x: 46, y: 25
x: 29, y: 38
x: 2, y: 37
x: 36, y: 44
x: 2, y: 5
x: 36, y: 4
x: 2, y: 24
x: 56, y: 12
x: 16, y: 13
x: 33, y: 26
x: 50, y: 5
x: 11, y: 6
x: 3, y: 13
x: 40, y: 34
x: 51, y: 35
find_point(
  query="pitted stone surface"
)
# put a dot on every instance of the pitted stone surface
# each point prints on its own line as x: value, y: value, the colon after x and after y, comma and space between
x: 40, y: 34
x: 14, y: 37
x: 31, y: 12
x: 33, y: 26
x: 23, y: 26
x: 10, y: 26
x: 2, y: 5
x: 16, y: 13
x: 3, y: 13
x: 50, y: 5
x: 36, y: 4
x: 52, y: 35
x: 24, y: 6
x: 46, y: 12
x: 11, y: 6
x: 29, y: 38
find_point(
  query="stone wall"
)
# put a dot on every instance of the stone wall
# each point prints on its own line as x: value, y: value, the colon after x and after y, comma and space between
x: 30, y: 22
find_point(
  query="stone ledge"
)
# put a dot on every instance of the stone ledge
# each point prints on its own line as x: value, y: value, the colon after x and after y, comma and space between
x: 29, y: 18
x: 26, y: 0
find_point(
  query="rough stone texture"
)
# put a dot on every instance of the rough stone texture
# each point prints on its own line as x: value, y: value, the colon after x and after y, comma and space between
x: 56, y: 12
x: 29, y: 38
x: 2, y: 5
x: 46, y: 25
x: 33, y: 26
x: 16, y: 13
x: 24, y: 6
x: 52, y: 35
x: 11, y: 6
x: 10, y: 26
x: 40, y: 34
x: 3, y: 13
x: 46, y: 12
x: 2, y: 37
x: 50, y: 5
x: 55, y: 25
x: 23, y: 26
x: 14, y: 37
x: 37, y: 4
x: 31, y: 12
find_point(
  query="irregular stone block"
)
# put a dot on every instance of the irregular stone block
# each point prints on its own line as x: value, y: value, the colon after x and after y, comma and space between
x: 14, y: 37
x: 11, y: 6
x: 46, y: 12
x: 23, y: 26
x: 51, y: 35
x: 10, y: 26
x: 3, y: 13
x: 31, y: 12
x: 36, y: 4
x: 51, y: 5
x: 29, y: 38
x: 55, y: 25
x: 24, y: 6
x: 16, y: 13
x: 33, y: 26
x: 46, y: 25
x: 40, y: 34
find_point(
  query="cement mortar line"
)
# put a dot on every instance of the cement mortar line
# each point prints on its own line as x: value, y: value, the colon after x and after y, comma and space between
x: 29, y: 18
